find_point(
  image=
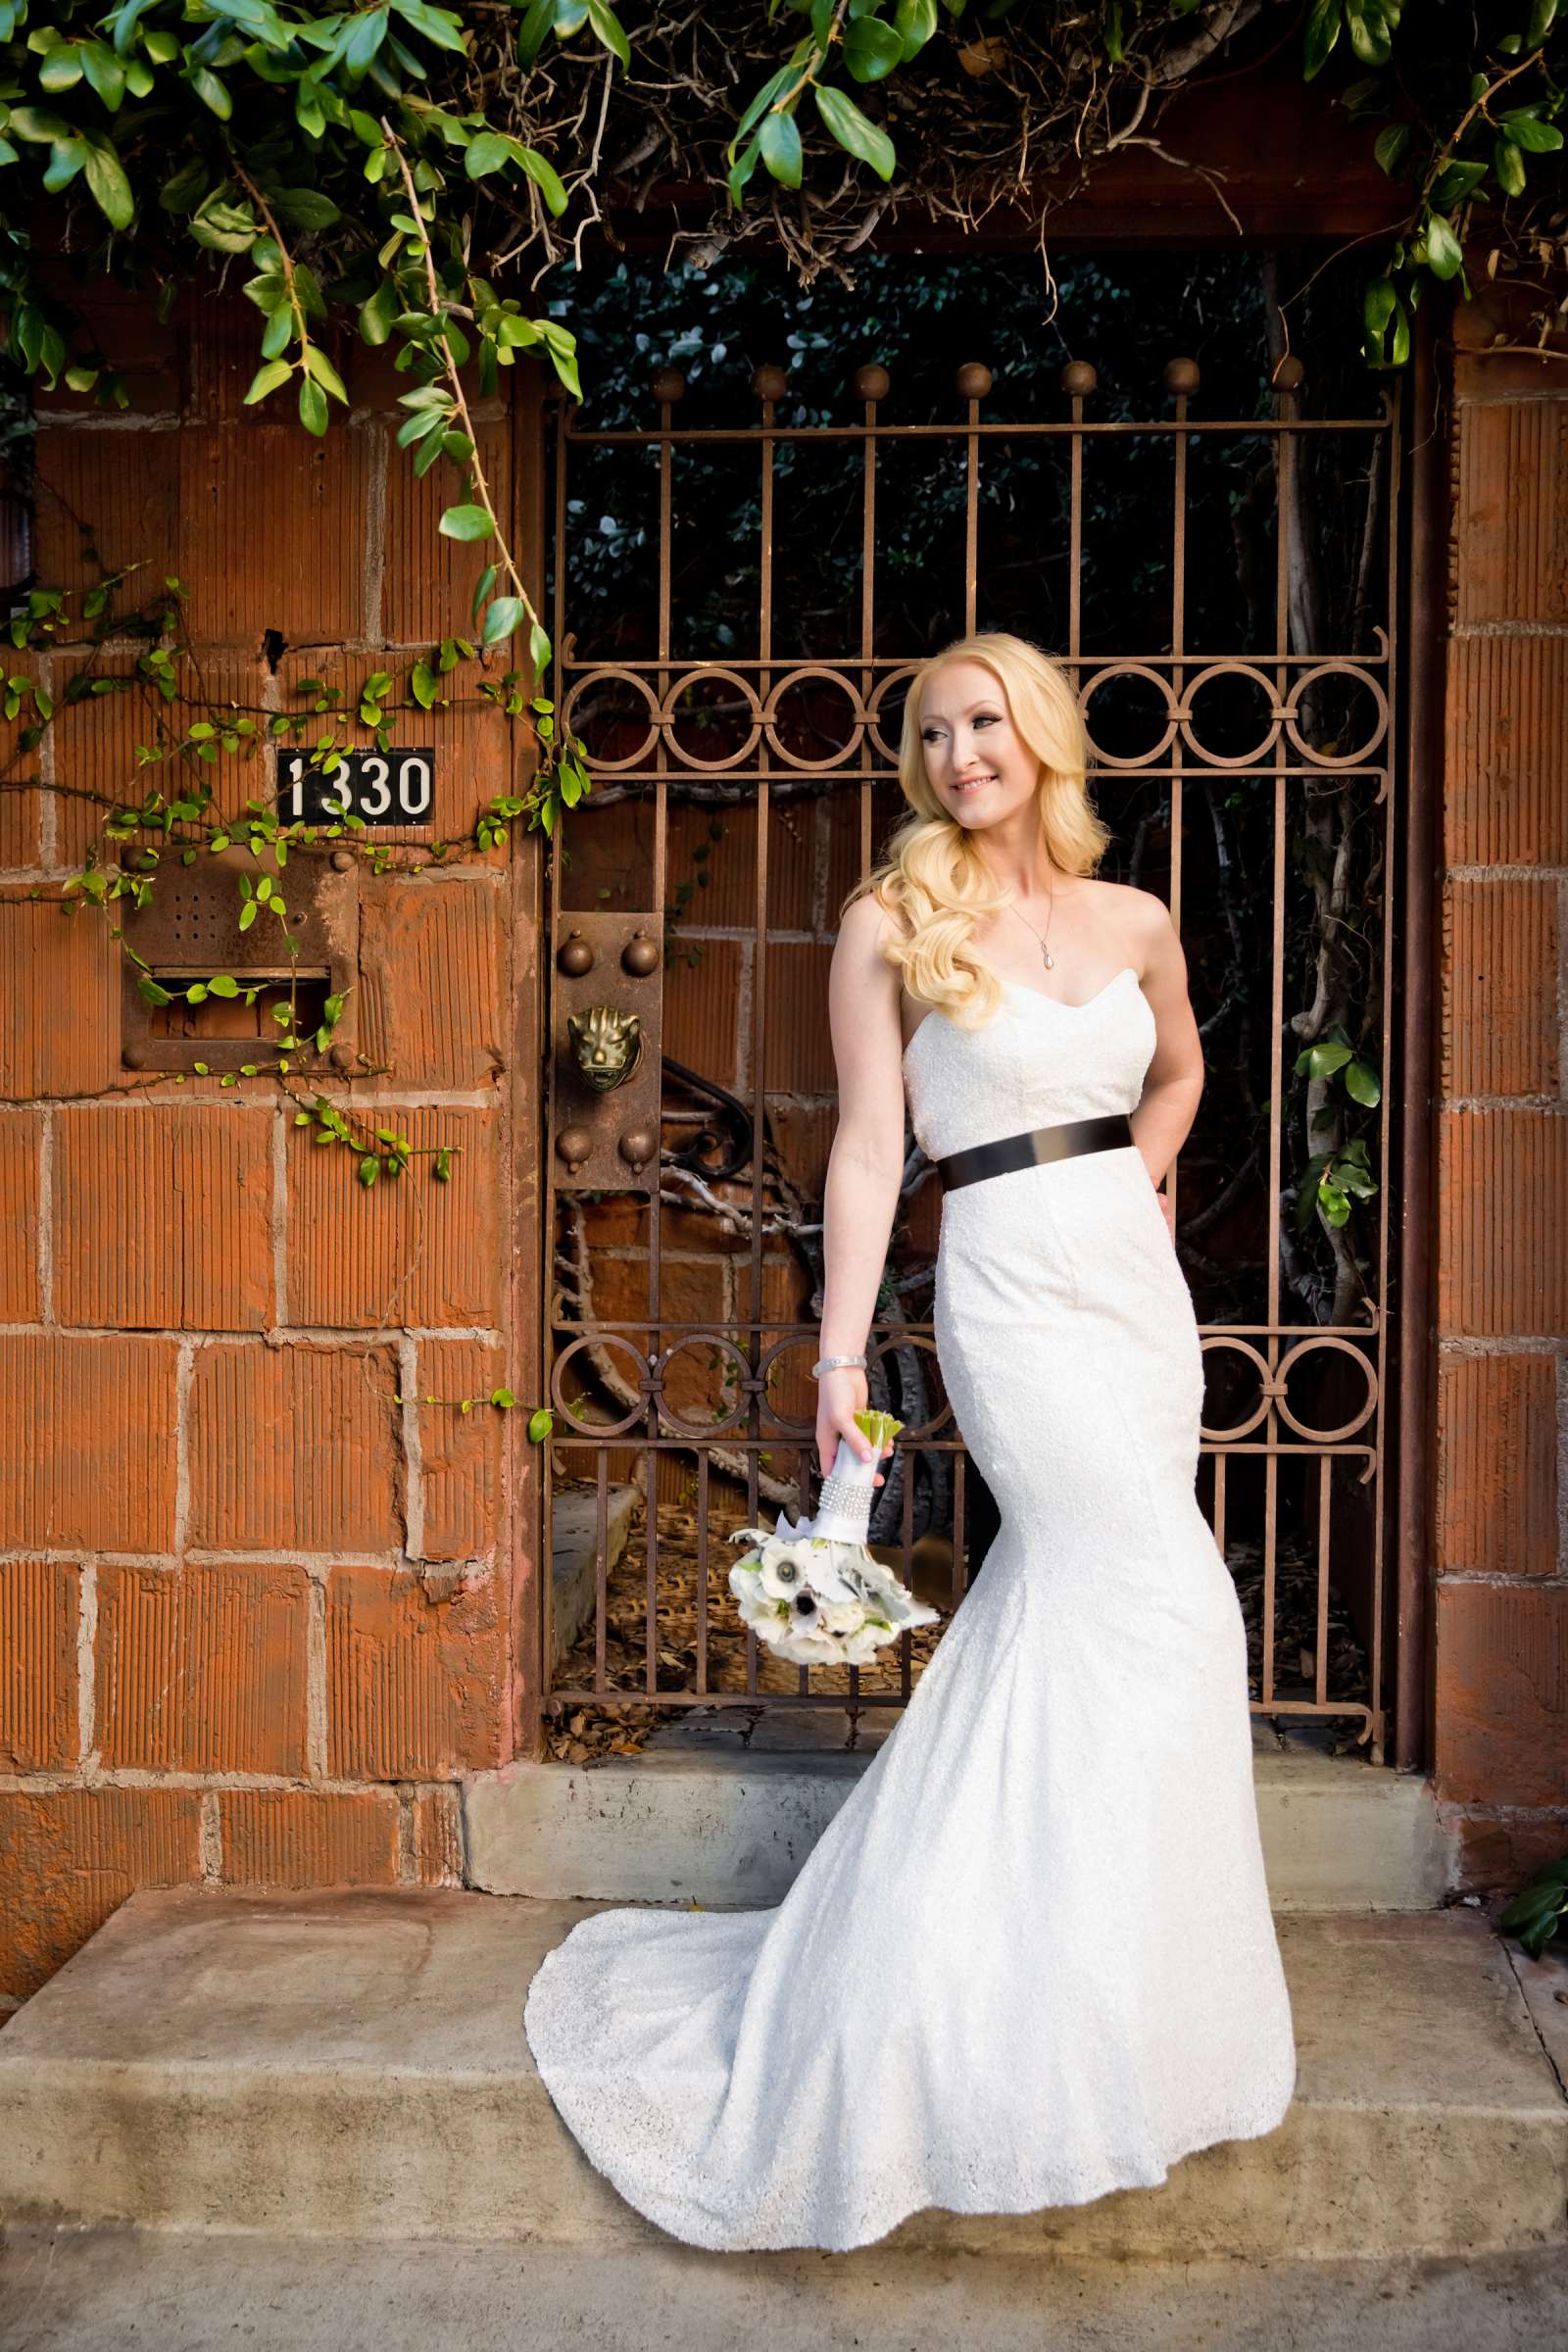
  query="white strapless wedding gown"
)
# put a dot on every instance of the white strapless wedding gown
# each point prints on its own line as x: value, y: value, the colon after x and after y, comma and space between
x: 1030, y: 1959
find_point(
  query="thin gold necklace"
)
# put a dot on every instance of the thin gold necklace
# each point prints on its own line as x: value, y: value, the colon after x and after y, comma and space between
x: 1051, y: 960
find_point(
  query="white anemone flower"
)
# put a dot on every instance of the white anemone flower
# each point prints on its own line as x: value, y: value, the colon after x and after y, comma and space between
x: 785, y: 1569
x: 755, y: 1606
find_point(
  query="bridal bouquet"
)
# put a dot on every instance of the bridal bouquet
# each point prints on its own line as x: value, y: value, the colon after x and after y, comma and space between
x: 810, y: 1587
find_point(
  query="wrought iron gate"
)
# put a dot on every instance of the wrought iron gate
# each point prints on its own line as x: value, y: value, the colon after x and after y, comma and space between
x: 691, y: 1391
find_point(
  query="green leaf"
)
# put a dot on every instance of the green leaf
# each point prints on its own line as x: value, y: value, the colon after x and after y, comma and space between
x: 915, y: 23
x: 437, y: 25
x: 1322, y: 1061
x: 465, y: 523
x: 531, y: 31
x: 503, y: 619
x: 267, y: 379
x: 110, y: 189
x: 1535, y: 138
x: 39, y: 124
x: 125, y: 24
x: 780, y: 142
x: 377, y: 312
x: 1444, y: 256
x: 105, y: 73
x: 307, y: 208
x: 1455, y: 184
x: 1391, y: 146
x: 1508, y: 165
x: 854, y: 132
x: 1322, y: 31
x: 544, y: 175
x: 1362, y: 1084
x: 370, y: 31
x: 607, y: 30
x: 773, y: 88
x: 1368, y: 31
x: 65, y: 160
x: 211, y: 92
x: 313, y: 406
x: 540, y: 1423
x: 152, y: 991
x: 61, y: 70
x: 487, y: 153
x: 504, y: 1398
x: 325, y: 375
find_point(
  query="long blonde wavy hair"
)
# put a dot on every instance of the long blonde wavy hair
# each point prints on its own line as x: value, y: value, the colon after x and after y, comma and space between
x: 932, y: 879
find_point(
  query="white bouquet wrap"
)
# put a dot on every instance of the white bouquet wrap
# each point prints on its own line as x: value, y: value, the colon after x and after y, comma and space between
x: 811, y: 1588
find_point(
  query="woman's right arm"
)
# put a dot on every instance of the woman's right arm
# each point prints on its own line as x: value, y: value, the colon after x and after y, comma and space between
x: 865, y: 1165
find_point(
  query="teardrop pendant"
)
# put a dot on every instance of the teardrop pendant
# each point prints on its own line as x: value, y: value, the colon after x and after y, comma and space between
x: 1051, y: 960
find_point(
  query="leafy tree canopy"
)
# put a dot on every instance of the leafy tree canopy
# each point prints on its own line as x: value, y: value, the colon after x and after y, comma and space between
x: 402, y: 167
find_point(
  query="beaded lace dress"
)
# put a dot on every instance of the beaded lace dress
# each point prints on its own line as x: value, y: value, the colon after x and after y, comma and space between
x: 1030, y: 1959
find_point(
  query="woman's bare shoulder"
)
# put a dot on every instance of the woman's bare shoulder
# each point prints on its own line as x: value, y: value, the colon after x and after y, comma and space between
x: 864, y: 928
x: 1140, y: 917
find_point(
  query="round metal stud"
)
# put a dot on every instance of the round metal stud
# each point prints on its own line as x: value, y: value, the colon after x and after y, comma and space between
x: 1078, y: 379
x: 1181, y: 377
x: 1290, y: 375
x: 343, y: 861
x: 973, y: 380
x: 769, y: 381
x: 640, y: 956
x: 669, y: 384
x: 637, y: 1146
x: 574, y: 1143
x: 574, y: 956
x: 872, y: 382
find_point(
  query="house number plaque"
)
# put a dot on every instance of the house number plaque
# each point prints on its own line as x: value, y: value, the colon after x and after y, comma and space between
x: 383, y: 788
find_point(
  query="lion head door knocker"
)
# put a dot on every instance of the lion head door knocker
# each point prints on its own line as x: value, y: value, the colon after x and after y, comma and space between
x: 607, y: 1045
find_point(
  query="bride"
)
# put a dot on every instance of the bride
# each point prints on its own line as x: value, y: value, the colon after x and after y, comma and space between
x: 1030, y: 1959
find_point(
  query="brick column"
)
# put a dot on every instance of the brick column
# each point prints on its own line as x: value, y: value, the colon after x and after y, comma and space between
x: 1502, y: 1632
x: 255, y: 1596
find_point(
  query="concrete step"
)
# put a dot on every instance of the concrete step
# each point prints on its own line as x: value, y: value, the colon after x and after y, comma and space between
x: 704, y: 1816
x: 118, y: 2290
x: 352, y: 2064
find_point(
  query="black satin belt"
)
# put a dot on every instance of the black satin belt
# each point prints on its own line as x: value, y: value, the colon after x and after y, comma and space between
x: 1035, y: 1148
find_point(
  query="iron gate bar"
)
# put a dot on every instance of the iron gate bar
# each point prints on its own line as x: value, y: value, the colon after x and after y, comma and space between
x: 1280, y: 757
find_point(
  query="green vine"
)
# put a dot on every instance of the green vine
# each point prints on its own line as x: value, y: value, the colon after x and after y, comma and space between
x: 189, y: 823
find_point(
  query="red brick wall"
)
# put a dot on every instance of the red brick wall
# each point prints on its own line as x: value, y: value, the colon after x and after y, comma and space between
x: 255, y: 1612
x: 1501, y: 1618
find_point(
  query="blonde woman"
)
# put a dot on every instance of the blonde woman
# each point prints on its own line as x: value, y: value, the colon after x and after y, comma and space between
x: 1031, y: 1960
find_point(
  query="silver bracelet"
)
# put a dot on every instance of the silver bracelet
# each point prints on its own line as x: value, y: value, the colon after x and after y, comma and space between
x: 832, y: 1363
